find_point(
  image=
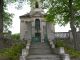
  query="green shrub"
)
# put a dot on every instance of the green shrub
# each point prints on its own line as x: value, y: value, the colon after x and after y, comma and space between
x: 16, y: 36
x: 71, y: 51
x: 59, y: 43
x: 13, y: 52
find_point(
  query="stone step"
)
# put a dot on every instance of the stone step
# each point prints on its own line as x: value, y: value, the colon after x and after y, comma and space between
x: 42, y: 52
x: 43, y: 57
x: 40, y: 49
x: 39, y: 46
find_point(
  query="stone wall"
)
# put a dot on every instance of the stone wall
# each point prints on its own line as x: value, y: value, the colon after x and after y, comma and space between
x: 6, y: 41
x: 68, y: 38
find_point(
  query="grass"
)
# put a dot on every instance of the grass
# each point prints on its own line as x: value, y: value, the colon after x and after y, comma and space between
x: 71, y: 51
x: 13, y: 52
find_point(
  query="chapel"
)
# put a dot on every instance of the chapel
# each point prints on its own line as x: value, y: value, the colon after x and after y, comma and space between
x: 33, y: 25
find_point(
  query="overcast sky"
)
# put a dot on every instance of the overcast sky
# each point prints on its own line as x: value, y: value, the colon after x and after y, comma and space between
x: 16, y: 21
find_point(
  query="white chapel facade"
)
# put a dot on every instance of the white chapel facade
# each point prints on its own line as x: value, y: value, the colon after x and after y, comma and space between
x: 33, y: 25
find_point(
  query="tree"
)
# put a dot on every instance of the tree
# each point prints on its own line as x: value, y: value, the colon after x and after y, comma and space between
x: 1, y: 19
x: 16, y: 36
x: 5, y: 17
x: 7, y: 21
x: 63, y: 12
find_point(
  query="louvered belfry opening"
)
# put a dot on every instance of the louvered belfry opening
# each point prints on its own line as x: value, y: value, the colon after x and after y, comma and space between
x: 36, y: 5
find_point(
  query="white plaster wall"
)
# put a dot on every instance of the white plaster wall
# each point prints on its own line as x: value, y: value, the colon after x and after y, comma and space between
x: 33, y: 29
x: 26, y: 31
x: 26, y: 19
x: 22, y: 30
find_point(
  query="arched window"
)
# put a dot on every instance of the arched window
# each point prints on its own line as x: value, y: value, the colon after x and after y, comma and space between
x: 36, y: 5
x: 37, y: 24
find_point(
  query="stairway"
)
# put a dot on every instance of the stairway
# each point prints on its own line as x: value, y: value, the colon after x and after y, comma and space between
x: 41, y: 51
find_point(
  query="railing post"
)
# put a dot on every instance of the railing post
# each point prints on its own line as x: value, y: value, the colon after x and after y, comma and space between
x: 22, y: 58
x: 63, y: 55
x: 25, y: 51
x: 61, y: 51
x: 66, y: 57
x: 52, y: 44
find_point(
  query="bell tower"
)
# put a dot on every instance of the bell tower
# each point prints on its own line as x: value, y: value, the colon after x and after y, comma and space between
x: 36, y: 6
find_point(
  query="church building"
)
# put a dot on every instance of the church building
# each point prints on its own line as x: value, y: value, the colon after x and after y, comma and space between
x: 33, y: 25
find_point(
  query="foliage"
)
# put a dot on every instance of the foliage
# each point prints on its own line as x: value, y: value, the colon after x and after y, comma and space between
x: 59, y: 11
x: 16, y: 36
x: 71, y: 51
x: 59, y: 43
x: 9, y: 1
x: 63, y: 12
x: 7, y: 18
x: 33, y: 1
x: 13, y: 52
x: 7, y: 21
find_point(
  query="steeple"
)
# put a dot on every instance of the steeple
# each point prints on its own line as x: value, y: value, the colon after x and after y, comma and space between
x: 36, y: 6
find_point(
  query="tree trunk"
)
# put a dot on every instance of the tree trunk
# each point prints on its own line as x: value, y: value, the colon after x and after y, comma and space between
x: 1, y: 19
x: 72, y: 25
x: 73, y: 29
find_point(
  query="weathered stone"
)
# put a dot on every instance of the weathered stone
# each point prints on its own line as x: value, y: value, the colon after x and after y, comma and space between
x: 34, y: 19
x: 24, y: 52
x: 66, y: 57
x: 22, y: 58
x: 62, y: 51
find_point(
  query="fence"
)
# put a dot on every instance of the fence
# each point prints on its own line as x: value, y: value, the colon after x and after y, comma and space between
x: 62, y: 35
x: 65, y: 35
x: 68, y: 38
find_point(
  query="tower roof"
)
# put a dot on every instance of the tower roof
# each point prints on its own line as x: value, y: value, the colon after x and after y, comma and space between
x: 36, y: 10
x: 36, y: 14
